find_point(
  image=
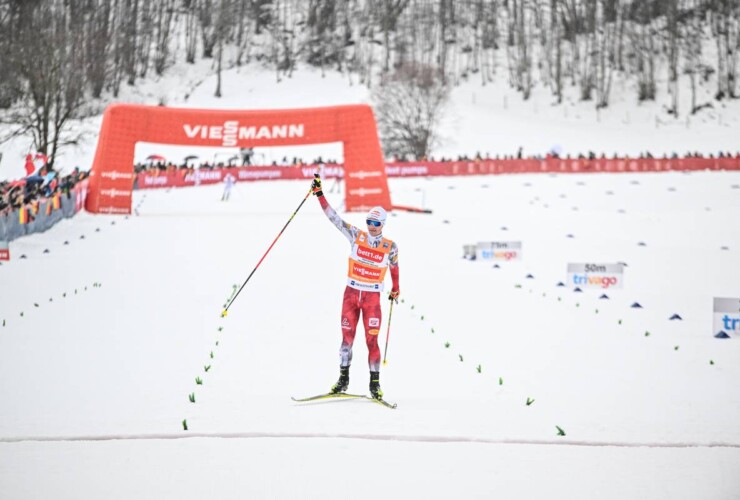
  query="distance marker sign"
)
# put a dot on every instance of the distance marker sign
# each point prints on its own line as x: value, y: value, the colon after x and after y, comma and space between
x: 726, y: 317
x: 499, y: 250
x: 600, y: 276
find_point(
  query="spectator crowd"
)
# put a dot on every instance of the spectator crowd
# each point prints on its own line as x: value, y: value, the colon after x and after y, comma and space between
x: 28, y: 192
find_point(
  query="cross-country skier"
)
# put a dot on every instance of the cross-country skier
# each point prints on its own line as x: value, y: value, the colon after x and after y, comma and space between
x: 229, y: 181
x: 370, y: 257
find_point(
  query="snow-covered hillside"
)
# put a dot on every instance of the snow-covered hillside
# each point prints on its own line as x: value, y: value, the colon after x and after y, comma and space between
x: 489, y: 119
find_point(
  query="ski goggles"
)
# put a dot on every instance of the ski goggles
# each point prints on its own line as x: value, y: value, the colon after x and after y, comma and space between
x: 374, y: 223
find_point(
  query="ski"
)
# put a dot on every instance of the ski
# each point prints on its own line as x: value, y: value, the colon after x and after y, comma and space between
x: 383, y: 402
x: 329, y: 395
x: 344, y: 395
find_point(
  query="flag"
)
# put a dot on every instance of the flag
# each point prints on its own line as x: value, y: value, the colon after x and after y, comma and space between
x: 23, y: 215
x: 30, y: 167
x: 35, y: 161
x: 56, y: 201
x: 40, y: 160
x: 48, y: 207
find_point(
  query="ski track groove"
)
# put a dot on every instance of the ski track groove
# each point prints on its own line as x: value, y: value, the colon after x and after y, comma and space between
x: 369, y: 437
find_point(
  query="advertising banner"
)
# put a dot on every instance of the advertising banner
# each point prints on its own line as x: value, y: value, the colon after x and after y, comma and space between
x: 175, y: 177
x: 112, y: 178
x: 726, y: 317
x: 499, y: 250
x: 596, y: 275
x: 4, y: 250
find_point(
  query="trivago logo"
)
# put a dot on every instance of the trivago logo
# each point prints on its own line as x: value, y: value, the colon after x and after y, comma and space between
x: 596, y: 275
x: 499, y: 250
x: 727, y: 317
x: 594, y: 281
x: 231, y: 131
x: 730, y: 324
x: 499, y: 254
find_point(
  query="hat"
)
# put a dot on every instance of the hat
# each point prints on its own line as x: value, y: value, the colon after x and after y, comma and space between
x: 377, y: 213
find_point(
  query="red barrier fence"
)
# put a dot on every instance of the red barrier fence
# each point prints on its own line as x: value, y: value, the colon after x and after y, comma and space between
x: 187, y: 177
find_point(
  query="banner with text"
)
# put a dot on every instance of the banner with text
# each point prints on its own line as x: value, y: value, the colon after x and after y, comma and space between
x: 499, y: 250
x: 596, y: 275
x: 726, y: 317
x: 177, y: 177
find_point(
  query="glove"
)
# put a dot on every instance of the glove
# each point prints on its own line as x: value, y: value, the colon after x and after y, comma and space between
x: 316, y: 185
x: 393, y: 295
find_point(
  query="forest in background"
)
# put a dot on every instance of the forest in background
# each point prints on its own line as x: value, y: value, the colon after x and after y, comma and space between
x: 60, y: 58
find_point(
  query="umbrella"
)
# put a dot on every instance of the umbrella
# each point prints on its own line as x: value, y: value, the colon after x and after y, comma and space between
x: 189, y: 158
x: 34, y: 179
x: 49, y: 177
x: 155, y: 158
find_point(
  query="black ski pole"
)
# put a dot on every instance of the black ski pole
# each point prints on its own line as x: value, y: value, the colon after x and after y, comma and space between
x: 226, y: 310
x: 387, y: 335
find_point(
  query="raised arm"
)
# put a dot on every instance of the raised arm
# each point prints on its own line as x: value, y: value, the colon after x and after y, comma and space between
x: 348, y: 230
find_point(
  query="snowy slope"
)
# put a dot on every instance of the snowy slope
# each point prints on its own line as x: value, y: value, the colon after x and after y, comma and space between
x: 94, y: 384
x: 489, y: 119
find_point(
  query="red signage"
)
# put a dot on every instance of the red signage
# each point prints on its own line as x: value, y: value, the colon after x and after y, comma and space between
x: 112, y: 179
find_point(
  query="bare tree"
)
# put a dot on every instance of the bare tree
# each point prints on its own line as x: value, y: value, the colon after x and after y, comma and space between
x: 519, y: 47
x: 130, y: 38
x: 190, y: 14
x: 221, y: 33
x: 409, y: 105
x: 555, y: 51
x: 164, y: 13
x: 608, y: 25
x: 642, y: 36
x: 673, y: 53
x: 48, y: 60
x: 97, y: 44
x: 206, y: 9
x: 726, y: 30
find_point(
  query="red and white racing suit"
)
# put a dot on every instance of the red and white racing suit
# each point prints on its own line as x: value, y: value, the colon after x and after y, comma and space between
x: 370, y: 258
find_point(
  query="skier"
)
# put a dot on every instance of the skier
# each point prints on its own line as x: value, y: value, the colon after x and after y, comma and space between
x: 229, y: 181
x: 370, y: 257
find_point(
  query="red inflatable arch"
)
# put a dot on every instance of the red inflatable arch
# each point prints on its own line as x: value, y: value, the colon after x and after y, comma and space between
x: 112, y: 173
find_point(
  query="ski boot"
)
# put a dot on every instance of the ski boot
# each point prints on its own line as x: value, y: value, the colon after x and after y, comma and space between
x: 375, y: 390
x: 343, y: 382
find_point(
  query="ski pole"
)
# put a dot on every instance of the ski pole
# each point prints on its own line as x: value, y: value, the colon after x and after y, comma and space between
x: 226, y: 310
x: 387, y: 334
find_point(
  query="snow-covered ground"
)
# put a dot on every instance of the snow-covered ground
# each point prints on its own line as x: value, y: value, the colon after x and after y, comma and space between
x: 104, y: 336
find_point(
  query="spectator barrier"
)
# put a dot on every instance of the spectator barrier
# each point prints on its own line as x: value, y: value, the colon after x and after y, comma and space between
x: 42, y: 214
x: 190, y: 177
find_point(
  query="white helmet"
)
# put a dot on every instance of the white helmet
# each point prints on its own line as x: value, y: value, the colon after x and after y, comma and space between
x: 377, y: 213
